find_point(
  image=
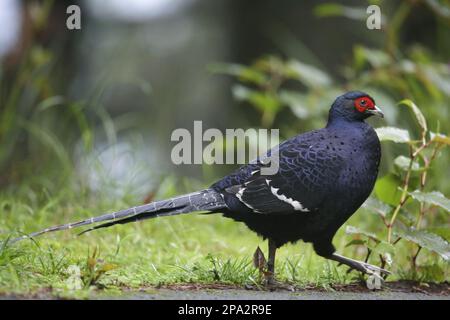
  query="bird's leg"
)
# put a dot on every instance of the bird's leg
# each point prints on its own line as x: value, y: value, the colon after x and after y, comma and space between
x: 270, y: 273
x: 359, y: 265
x: 267, y: 268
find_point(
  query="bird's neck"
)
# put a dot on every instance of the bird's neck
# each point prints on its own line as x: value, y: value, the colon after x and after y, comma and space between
x: 337, y: 122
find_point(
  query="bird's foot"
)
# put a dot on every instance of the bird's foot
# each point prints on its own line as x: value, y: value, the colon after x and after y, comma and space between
x: 266, y: 272
x: 361, y: 266
x: 271, y: 284
x: 369, y: 269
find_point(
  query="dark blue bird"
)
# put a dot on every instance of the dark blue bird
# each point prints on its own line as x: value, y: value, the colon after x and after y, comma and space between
x: 323, y: 178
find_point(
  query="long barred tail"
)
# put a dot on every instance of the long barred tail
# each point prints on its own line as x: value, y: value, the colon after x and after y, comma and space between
x: 205, y: 200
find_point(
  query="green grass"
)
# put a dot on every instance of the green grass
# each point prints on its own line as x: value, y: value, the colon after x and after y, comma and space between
x: 183, y: 249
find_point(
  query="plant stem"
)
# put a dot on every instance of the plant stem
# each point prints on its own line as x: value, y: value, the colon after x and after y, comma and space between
x: 414, y: 259
x: 403, y: 197
x: 423, y: 180
x: 413, y: 155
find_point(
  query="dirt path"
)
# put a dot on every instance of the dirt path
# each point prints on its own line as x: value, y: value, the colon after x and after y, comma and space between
x: 402, y: 290
x: 239, y: 294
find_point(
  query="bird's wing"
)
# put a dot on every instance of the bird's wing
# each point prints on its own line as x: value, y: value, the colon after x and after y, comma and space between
x: 307, y: 173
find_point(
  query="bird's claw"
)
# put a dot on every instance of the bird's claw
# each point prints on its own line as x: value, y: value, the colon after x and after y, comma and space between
x: 368, y: 269
x: 361, y: 266
x: 271, y: 284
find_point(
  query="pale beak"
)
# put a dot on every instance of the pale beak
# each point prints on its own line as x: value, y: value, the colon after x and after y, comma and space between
x: 376, y: 112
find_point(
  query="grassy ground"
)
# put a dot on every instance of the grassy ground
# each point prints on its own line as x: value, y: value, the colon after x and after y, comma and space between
x: 190, y: 248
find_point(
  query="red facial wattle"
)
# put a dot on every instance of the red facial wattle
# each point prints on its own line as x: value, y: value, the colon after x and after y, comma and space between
x: 364, y: 103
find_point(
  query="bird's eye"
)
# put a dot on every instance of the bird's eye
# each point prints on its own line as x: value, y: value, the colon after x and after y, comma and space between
x: 363, y: 103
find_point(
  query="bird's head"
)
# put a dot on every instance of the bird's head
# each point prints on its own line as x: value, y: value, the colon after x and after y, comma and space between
x: 354, y: 106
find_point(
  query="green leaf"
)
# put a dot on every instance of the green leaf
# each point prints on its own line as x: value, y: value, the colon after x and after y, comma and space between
x: 357, y: 231
x: 440, y: 138
x: 273, y: 65
x: 356, y: 242
x: 376, y: 58
x: 434, y: 198
x: 407, y: 217
x: 436, y: 78
x: 403, y: 163
x: 375, y: 205
x: 244, y: 73
x: 261, y: 100
x: 384, y: 247
x: 386, y: 189
x: 427, y: 240
x: 309, y: 75
x: 393, y: 134
x: 328, y: 9
x: 296, y: 101
x: 443, y: 231
x: 50, y: 102
x: 335, y: 9
x: 419, y: 115
x: 108, y: 267
x: 439, y: 6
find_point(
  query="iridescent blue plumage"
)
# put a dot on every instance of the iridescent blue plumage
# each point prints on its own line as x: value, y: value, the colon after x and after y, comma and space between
x: 327, y: 172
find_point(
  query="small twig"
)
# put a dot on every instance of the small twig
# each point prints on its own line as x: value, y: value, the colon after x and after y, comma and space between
x: 423, y: 180
x: 404, y: 195
x: 369, y: 252
x: 414, y: 259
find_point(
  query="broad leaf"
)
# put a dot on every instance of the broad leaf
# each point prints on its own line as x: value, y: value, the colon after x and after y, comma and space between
x: 440, y: 138
x: 309, y: 75
x: 393, y: 134
x: 296, y: 101
x: 384, y: 247
x: 376, y: 58
x: 403, y: 163
x: 419, y: 115
x: 386, y: 189
x: 357, y: 231
x: 427, y: 240
x: 407, y: 217
x: 439, y: 6
x: 375, y: 205
x: 244, y: 73
x: 434, y: 198
x: 261, y: 100
x: 442, y: 231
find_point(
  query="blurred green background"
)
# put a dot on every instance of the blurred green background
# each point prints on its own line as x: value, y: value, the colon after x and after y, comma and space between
x: 86, y: 117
